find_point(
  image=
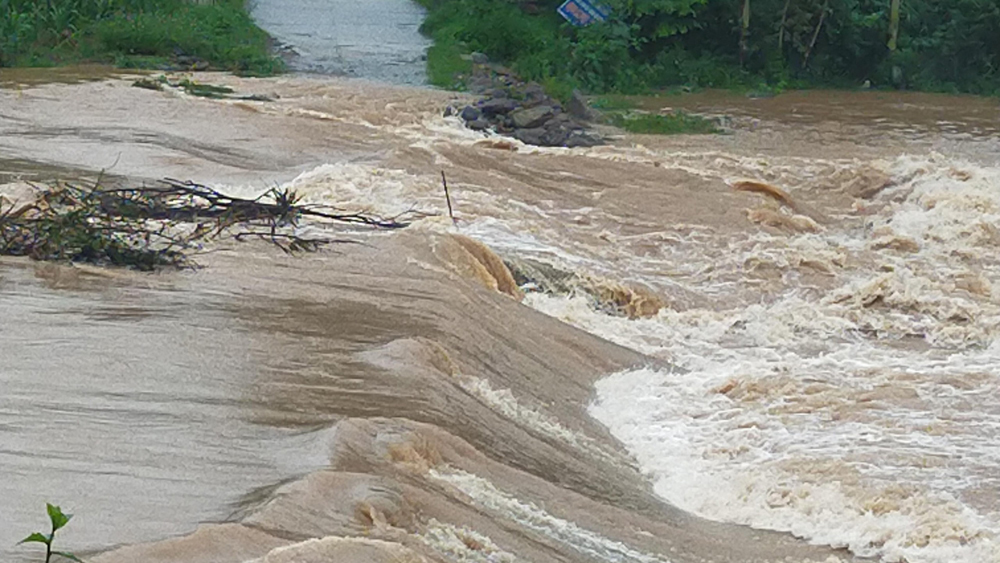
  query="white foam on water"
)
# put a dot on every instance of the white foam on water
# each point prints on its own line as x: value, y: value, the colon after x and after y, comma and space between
x: 315, y: 549
x: 529, y: 515
x: 389, y: 192
x: 506, y: 404
x: 877, y: 484
x: 367, y: 187
x: 502, y: 223
x: 462, y: 544
x: 857, y: 447
x: 864, y: 416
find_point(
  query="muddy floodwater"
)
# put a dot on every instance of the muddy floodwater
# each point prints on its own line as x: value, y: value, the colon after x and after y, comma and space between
x: 617, y: 354
x: 133, y: 399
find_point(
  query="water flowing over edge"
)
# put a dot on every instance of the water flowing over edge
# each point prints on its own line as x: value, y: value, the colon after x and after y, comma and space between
x: 883, y: 313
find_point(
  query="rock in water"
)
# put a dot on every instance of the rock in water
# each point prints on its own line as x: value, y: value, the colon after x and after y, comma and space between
x: 494, y: 107
x: 581, y: 138
x: 524, y: 111
x: 528, y: 118
x: 470, y: 113
x: 478, y: 124
x: 533, y: 136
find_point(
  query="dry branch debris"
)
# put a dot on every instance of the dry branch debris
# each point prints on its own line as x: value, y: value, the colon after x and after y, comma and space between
x: 147, y: 227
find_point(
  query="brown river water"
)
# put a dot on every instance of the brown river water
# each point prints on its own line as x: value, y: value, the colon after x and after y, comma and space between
x: 806, y: 382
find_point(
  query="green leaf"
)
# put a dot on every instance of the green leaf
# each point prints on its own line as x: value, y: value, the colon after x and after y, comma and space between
x: 36, y: 538
x: 57, y: 517
x: 69, y: 556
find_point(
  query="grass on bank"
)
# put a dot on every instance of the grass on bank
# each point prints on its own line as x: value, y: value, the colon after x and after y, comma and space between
x: 447, y: 65
x: 613, y: 103
x: 135, y: 34
x: 498, y: 29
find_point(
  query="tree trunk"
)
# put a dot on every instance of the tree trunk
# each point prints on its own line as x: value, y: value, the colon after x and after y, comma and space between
x: 893, y: 25
x: 744, y: 30
x: 822, y: 18
x: 781, y: 31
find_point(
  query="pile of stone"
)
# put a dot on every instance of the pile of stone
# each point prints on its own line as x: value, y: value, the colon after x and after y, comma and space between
x: 523, y: 110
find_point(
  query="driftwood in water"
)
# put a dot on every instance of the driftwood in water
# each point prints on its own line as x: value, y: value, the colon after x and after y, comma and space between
x: 147, y: 227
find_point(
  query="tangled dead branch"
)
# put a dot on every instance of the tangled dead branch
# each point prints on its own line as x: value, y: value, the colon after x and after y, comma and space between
x: 148, y: 227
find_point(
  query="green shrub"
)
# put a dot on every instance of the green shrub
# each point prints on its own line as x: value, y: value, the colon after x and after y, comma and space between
x: 134, y: 33
x: 447, y: 65
x: 944, y: 45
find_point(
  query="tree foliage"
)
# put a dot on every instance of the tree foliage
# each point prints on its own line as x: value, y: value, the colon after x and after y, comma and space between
x: 949, y: 45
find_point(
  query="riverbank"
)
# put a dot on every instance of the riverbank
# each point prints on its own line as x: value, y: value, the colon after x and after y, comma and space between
x: 139, y: 34
x: 645, y: 47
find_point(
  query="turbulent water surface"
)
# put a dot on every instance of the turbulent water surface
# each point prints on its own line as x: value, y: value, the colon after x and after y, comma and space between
x: 823, y: 365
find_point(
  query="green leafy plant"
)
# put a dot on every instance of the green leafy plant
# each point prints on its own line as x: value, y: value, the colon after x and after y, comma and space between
x: 59, y: 520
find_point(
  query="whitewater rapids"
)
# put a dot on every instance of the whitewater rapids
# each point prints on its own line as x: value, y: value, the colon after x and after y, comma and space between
x: 825, y: 369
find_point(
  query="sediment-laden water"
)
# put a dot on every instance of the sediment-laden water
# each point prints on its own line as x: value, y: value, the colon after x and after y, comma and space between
x: 690, y: 364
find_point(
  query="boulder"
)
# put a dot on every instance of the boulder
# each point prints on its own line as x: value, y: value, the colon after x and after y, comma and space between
x: 561, y: 118
x: 496, y: 93
x: 470, y: 113
x: 528, y: 118
x: 504, y: 124
x: 533, y: 89
x: 523, y: 110
x: 534, y: 136
x: 556, y: 135
x: 497, y: 106
x: 479, y: 59
x: 533, y: 94
x: 478, y: 124
x: 580, y: 138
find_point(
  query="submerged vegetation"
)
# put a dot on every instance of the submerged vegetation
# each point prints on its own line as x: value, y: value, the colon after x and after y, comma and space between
x: 673, y: 123
x: 195, y: 88
x: 938, y: 45
x: 135, y: 34
x: 150, y: 227
x: 623, y: 112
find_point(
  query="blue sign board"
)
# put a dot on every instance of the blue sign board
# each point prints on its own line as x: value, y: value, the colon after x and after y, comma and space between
x: 583, y: 12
